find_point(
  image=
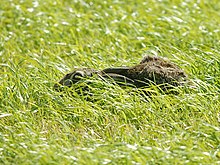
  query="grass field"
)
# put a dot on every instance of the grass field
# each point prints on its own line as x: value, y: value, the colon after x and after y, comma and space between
x: 41, y: 40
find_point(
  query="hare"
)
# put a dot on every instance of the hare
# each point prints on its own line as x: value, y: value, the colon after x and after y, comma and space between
x: 154, y: 70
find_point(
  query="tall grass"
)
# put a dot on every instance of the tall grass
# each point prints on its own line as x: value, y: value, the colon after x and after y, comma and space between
x: 42, y: 40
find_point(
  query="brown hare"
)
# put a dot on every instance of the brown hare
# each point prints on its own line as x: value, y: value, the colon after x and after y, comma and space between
x: 150, y: 70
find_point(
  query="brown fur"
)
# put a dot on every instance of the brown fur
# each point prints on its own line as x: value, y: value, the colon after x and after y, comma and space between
x: 150, y: 70
x: 75, y: 76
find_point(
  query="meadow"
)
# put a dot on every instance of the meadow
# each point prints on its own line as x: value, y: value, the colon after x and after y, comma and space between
x: 41, y: 40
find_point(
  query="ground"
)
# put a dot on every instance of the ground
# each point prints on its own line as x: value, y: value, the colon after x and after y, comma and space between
x: 41, y: 40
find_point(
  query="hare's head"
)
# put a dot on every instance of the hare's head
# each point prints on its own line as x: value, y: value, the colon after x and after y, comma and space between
x: 74, y: 77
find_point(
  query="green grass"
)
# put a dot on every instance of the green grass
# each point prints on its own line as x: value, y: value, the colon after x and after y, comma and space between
x: 42, y: 40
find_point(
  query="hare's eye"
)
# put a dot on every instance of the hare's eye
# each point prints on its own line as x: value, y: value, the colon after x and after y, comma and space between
x: 77, y: 75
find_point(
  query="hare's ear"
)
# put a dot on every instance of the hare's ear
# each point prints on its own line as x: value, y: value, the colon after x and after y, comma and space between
x: 117, y: 70
x: 119, y: 79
